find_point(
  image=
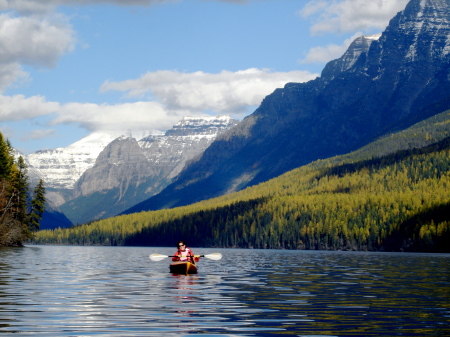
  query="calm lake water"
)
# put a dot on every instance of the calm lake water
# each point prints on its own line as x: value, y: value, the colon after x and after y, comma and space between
x: 119, y: 291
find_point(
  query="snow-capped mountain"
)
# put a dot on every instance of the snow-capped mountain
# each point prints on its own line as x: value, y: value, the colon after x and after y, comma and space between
x: 60, y: 168
x: 380, y: 85
x: 188, y: 138
x: 128, y: 171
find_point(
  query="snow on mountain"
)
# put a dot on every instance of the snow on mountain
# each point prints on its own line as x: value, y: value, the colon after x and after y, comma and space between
x: 378, y: 86
x: 359, y: 46
x: 61, y: 167
x: 128, y: 171
x: 188, y: 138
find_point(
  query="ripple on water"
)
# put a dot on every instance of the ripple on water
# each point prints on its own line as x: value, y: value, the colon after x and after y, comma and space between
x: 104, y: 291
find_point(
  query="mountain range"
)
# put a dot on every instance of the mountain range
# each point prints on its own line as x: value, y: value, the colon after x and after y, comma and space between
x: 381, y: 84
x: 101, y: 175
x: 390, y: 195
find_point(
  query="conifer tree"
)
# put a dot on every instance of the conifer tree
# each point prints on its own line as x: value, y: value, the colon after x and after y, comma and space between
x: 37, y: 207
x: 6, y: 159
x: 20, y: 184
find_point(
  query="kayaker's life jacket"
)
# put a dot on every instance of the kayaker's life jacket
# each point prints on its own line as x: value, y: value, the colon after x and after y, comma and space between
x: 185, y: 255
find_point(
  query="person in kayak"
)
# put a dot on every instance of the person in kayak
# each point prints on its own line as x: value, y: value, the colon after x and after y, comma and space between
x: 184, y: 253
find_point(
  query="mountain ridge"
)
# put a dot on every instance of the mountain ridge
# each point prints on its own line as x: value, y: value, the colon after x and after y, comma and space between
x: 128, y: 171
x: 401, y: 79
x: 366, y: 200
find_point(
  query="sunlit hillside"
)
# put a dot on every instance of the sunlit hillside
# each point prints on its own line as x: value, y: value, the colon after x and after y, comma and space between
x: 393, y: 194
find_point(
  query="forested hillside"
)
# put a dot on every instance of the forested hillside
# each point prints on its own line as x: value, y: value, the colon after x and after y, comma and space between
x: 19, y: 216
x: 398, y: 201
x: 379, y: 86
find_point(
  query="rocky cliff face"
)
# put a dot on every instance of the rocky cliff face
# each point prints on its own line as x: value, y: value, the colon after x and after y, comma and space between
x: 359, y: 46
x: 60, y: 168
x: 187, y: 139
x: 379, y: 85
x: 128, y: 171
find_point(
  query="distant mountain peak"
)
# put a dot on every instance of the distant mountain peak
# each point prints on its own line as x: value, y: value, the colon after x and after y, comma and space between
x: 128, y: 171
x: 201, y: 125
x: 359, y: 46
x: 382, y: 83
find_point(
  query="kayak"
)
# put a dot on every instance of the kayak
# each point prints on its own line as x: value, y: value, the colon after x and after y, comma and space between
x: 183, y: 268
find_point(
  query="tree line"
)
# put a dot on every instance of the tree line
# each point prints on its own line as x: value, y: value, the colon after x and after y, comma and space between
x: 397, y: 202
x: 20, y: 210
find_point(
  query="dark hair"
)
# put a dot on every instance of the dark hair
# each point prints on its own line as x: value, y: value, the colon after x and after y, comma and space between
x: 181, y: 242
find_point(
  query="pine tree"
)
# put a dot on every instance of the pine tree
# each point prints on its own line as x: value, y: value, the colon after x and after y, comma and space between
x: 6, y: 159
x: 20, y: 184
x: 37, y: 207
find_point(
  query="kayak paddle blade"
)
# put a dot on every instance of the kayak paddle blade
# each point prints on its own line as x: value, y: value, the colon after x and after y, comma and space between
x: 214, y: 256
x: 157, y: 257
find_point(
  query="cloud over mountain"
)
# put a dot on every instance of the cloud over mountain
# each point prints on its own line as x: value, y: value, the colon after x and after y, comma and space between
x: 37, y: 34
x: 350, y: 15
x: 199, y: 91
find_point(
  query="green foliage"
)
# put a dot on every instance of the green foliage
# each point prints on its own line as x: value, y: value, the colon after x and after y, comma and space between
x: 37, y: 207
x: 20, y: 185
x: 386, y: 203
x: 6, y: 159
x: 16, y: 225
x: 390, y: 195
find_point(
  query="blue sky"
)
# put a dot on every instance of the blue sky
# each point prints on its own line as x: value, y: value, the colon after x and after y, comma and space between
x: 69, y: 68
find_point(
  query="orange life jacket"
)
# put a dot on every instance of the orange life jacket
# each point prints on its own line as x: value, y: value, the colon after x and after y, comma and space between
x: 186, y: 255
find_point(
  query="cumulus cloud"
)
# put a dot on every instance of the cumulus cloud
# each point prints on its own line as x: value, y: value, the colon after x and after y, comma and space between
x: 343, y: 16
x: 224, y: 92
x: 126, y: 116
x: 89, y: 116
x: 175, y: 95
x: 329, y: 52
x: 19, y: 107
x: 31, y: 41
x: 11, y: 72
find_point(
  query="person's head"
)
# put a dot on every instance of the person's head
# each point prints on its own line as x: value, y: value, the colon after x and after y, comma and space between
x: 181, y: 245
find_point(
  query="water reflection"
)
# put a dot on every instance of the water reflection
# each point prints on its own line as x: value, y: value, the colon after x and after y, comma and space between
x: 104, y: 291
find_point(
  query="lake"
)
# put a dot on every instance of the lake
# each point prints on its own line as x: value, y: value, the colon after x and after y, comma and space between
x: 119, y: 291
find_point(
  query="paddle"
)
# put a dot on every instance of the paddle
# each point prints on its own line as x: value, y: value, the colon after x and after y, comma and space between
x: 159, y: 257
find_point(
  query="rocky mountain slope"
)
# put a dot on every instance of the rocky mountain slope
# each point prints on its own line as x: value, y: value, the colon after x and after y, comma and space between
x: 128, y: 171
x: 378, y: 86
x: 60, y: 168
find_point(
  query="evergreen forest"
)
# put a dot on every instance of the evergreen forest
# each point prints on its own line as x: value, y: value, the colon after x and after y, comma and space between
x: 20, y: 210
x: 392, y: 195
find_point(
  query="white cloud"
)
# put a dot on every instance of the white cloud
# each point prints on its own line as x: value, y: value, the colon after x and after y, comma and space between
x: 89, y: 116
x: 18, y: 107
x: 177, y: 94
x: 344, y: 16
x: 31, y: 41
x: 340, y: 16
x: 224, y: 92
x: 329, y: 52
x: 127, y: 116
x: 10, y: 73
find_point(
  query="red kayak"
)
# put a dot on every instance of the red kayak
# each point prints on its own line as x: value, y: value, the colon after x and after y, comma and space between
x: 183, y: 268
